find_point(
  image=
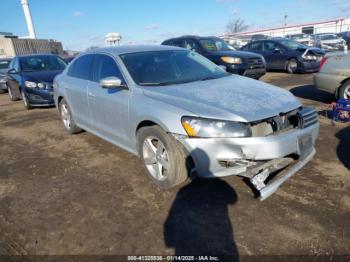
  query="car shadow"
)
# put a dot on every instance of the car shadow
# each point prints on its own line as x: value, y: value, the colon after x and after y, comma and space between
x: 198, y: 222
x: 310, y: 92
x: 343, y: 147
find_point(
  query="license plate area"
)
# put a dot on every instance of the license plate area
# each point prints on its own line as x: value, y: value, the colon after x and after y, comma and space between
x: 305, y: 146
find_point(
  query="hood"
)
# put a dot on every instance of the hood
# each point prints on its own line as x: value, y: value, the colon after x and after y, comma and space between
x: 41, y: 76
x: 332, y: 41
x: 239, y: 54
x: 314, y: 50
x: 234, y: 98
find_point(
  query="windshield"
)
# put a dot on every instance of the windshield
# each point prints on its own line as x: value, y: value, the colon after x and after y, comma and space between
x: 157, y: 68
x: 328, y: 37
x: 4, y: 64
x: 42, y: 63
x: 214, y: 45
x: 292, y: 44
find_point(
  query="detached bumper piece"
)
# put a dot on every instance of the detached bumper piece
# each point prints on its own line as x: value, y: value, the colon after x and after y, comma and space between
x: 287, y: 167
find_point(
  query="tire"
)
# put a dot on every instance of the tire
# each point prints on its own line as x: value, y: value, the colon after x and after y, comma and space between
x: 344, y: 91
x: 163, y: 157
x: 25, y: 101
x: 67, y: 118
x: 11, y: 96
x: 292, y: 66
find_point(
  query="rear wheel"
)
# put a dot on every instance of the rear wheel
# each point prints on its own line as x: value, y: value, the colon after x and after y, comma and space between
x: 164, y: 159
x: 67, y: 118
x: 25, y: 101
x: 344, y: 91
x: 292, y: 66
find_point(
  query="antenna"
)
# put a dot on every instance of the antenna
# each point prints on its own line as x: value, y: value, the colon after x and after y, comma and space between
x: 26, y: 10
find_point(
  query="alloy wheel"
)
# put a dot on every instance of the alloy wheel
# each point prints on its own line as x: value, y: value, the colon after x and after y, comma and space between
x: 347, y: 92
x: 156, y: 158
x: 25, y: 100
x: 65, y: 115
x: 292, y: 66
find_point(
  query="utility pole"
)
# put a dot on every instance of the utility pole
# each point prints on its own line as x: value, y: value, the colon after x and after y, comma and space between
x: 285, y: 25
x: 26, y: 10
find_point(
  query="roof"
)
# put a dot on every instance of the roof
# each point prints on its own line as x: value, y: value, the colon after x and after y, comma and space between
x: 119, y: 50
x: 197, y: 37
x: 285, y: 27
x: 31, y: 55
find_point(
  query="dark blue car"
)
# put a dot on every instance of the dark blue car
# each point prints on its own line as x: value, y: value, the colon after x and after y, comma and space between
x: 30, y: 78
x: 288, y: 55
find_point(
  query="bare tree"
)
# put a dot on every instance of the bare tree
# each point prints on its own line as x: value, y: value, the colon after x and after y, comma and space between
x: 236, y: 25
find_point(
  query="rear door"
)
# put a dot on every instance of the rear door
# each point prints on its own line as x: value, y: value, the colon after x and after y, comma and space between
x: 275, y: 55
x: 78, y: 77
x: 109, y: 107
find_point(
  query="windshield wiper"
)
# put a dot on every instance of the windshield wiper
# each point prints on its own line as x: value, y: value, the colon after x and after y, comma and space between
x: 154, y: 84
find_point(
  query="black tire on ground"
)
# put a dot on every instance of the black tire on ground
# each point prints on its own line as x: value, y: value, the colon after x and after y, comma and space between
x: 67, y: 118
x: 11, y: 96
x: 26, y: 103
x: 292, y: 66
x: 344, y: 90
x: 177, y: 159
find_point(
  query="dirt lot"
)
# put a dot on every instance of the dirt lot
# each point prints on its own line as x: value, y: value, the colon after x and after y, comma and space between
x: 63, y: 194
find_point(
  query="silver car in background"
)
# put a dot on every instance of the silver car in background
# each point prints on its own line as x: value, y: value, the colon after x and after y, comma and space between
x: 185, y: 116
x: 334, y: 75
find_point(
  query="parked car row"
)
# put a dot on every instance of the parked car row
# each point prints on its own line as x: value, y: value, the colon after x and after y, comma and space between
x: 4, y: 64
x: 182, y: 114
x: 326, y: 41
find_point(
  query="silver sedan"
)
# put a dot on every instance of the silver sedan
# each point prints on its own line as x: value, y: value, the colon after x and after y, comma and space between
x: 185, y: 116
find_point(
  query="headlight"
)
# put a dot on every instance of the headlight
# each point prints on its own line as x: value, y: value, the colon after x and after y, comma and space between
x: 231, y: 60
x: 263, y: 59
x: 211, y: 128
x: 30, y: 84
x: 41, y: 85
x: 310, y: 57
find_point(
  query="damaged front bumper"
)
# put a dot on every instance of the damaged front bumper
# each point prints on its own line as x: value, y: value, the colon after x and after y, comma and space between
x: 256, y: 158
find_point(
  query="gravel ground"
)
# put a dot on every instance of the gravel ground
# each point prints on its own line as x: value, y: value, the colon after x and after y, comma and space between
x: 76, y: 194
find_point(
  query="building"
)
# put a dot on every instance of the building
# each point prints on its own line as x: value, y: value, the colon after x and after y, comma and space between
x: 12, y: 46
x: 329, y: 26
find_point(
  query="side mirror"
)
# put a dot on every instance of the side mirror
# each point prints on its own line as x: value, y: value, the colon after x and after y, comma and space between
x: 12, y: 71
x: 277, y: 50
x: 111, y: 82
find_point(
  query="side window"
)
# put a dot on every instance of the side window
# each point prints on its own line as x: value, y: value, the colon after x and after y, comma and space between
x: 12, y: 64
x: 190, y: 44
x: 270, y: 46
x: 256, y: 46
x: 105, y: 66
x: 82, y: 67
x: 178, y: 43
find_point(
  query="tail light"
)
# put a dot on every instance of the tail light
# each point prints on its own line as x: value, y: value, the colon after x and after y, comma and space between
x: 323, y: 61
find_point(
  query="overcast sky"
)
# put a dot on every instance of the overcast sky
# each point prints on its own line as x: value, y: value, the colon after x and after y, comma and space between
x: 83, y: 23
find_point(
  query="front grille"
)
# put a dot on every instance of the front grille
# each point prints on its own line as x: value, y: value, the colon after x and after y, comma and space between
x: 254, y: 62
x: 308, y: 117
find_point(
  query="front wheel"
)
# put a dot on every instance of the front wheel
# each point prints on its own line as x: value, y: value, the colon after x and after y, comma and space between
x: 344, y: 91
x: 164, y: 159
x: 292, y: 66
x: 67, y: 119
x: 25, y: 101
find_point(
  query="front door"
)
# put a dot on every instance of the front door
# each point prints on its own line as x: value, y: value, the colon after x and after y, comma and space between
x: 109, y: 106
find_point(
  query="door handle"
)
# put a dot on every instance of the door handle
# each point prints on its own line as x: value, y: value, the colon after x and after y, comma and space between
x: 91, y: 94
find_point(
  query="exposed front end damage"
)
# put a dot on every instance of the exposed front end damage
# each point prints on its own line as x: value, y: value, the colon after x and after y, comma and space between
x: 279, y: 147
